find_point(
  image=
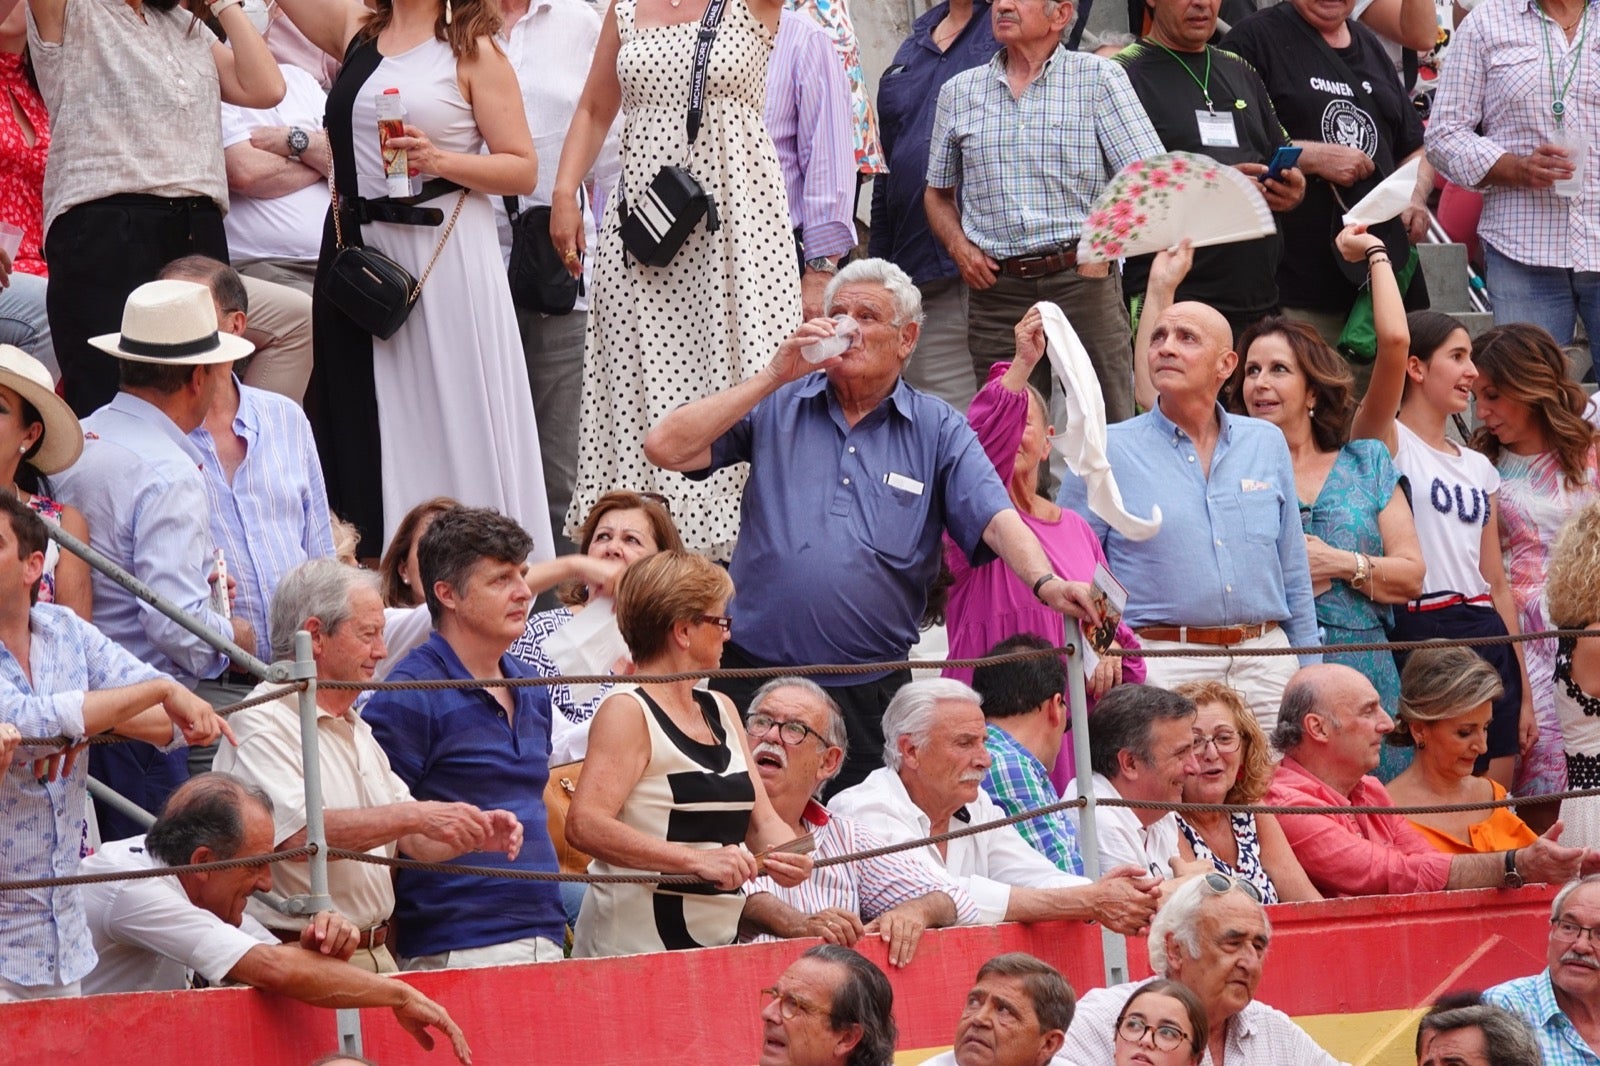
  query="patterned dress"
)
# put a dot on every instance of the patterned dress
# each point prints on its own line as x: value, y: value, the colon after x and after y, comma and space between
x: 569, y: 725
x: 1249, y: 866
x: 659, y: 337
x: 834, y: 17
x: 1580, y: 732
x: 1345, y: 515
x: 1535, y: 501
x: 50, y: 511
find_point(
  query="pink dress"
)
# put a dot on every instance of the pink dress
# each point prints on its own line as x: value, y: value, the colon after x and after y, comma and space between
x: 989, y: 603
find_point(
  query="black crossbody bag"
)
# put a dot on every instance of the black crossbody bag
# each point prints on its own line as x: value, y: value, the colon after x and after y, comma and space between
x: 539, y: 279
x: 674, y: 203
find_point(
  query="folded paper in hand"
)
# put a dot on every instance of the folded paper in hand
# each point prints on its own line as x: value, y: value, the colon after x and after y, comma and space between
x: 1391, y: 196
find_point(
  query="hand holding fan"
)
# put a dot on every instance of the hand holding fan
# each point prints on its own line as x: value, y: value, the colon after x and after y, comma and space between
x: 1157, y: 202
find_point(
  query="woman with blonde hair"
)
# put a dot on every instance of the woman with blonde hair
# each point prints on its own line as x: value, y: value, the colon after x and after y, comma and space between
x: 1236, y: 767
x: 1572, y: 594
x: 1447, y: 696
x: 1534, y: 432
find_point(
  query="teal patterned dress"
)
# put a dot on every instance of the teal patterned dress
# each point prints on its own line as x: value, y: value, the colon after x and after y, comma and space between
x: 1345, y: 516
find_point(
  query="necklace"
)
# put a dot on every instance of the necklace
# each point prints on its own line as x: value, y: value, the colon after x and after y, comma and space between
x: 1558, y: 84
x: 950, y: 35
x: 1205, y: 85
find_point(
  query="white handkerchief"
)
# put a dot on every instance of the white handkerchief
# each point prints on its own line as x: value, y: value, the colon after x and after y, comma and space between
x: 1392, y: 196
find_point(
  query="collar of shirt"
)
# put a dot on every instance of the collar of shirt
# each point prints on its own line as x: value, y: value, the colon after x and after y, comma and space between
x: 998, y: 65
x: 815, y: 814
x: 922, y: 29
x: 1171, y: 431
x: 817, y: 382
x: 1368, y: 791
x: 131, y: 406
x: 997, y: 737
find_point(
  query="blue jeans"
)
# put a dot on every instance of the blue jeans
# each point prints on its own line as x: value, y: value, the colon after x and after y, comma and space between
x: 23, y: 320
x: 1552, y: 297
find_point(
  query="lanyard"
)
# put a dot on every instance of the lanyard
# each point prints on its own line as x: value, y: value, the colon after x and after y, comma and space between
x: 1558, y: 86
x: 1205, y: 86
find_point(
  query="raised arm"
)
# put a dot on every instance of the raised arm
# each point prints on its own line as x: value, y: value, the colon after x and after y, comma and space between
x: 1375, y: 416
x: 247, y: 74
x: 1167, y: 271
x: 328, y: 24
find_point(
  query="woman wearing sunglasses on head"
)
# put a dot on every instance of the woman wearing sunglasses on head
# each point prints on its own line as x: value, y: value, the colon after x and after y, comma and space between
x: 1236, y: 767
x: 1162, y: 1024
x: 669, y: 784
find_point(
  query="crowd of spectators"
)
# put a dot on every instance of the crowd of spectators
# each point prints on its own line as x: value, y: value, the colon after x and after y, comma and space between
x: 187, y: 393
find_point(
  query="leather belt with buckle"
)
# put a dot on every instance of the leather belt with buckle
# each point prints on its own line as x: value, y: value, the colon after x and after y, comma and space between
x: 372, y: 938
x: 1040, y: 266
x: 1220, y: 636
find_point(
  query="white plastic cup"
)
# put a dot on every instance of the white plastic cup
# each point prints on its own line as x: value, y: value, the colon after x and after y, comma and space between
x: 10, y: 241
x: 845, y: 332
x: 1575, y: 143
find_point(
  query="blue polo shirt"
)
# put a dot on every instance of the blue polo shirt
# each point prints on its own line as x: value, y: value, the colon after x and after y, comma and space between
x: 456, y: 746
x: 839, y: 528
x: 908, y: 93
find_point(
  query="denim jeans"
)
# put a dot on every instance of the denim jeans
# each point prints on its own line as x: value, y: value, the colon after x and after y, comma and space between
x: 1552, y: 297
x: 23, y: 321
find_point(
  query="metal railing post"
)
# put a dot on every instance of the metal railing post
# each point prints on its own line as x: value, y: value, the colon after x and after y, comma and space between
x: 105, y: 795
x: 1113, y: 947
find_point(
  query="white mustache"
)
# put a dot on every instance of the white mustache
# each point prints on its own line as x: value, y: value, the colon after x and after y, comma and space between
x: 972, y: 777
x: 767, y: 747
x: 1581, y: 960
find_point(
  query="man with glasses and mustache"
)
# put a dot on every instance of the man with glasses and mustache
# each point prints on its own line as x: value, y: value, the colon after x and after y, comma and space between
x: 1211, y: 936
x: 1562, y: 1002
x: 797, y: 742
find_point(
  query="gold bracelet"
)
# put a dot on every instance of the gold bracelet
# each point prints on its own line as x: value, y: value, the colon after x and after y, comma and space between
x: 1360, y: 577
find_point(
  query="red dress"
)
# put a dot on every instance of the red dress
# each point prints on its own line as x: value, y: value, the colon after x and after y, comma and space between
x: 22, y: 164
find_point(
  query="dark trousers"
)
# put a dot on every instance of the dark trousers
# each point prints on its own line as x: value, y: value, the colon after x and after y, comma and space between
x: 862, y: 704
x: 101, y: 251
x: 139, y: 773
x: 1095, y: 308
x: 1472, y: 620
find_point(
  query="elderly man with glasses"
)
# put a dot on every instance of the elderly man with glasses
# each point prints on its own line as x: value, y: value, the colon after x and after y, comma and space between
x: 1562, y: 1002
x: 1211, y: 936
x: 831, y: 1008
x: 797, y: 741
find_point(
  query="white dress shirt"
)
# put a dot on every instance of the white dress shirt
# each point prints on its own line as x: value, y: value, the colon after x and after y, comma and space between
x: 1121, y: 839
x: 987, y: 865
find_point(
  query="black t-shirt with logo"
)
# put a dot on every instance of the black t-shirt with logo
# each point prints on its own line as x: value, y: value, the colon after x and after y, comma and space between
x: 1237, y: 279
x: 1315, y: 102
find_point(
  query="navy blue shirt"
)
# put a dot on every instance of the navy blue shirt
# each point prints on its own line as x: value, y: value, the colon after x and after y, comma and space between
x: 839, y: 530
x: 908, y: 95
x: 455, y: 746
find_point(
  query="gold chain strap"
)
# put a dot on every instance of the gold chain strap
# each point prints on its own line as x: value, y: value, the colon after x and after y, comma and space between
x: 338, y: 233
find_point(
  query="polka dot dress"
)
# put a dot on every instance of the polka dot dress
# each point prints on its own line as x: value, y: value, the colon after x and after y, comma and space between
x: 659, y: 337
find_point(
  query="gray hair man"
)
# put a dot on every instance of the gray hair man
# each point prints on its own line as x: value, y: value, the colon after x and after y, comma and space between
x: 368, y: 807
x: 1141, y: 748
x: 935, y: 761
x: 831, y: 1008
x: 854, y: 479
x: 1017, y: 1014
x: 1464, y: 1031
x: 797, y: 742
x: 150, y: 931
x: 1330, y: 728
x: 1562, y: 1001
x: 1211, y: 935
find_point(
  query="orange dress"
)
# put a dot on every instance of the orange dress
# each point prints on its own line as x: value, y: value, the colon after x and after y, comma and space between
x: 1501, y: 831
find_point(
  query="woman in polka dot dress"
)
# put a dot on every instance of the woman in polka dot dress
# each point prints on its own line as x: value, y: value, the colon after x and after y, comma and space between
x: 660, y: 336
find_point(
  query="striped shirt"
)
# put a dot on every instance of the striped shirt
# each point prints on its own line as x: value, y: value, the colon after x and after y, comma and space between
x: 1497, y: 76
x: 1030, y: 167
x: 808, y: 116
x: 1534, y: 999
x: 1018, y: 782
x: 274, y: 515
x: 44, y: 935
x: 869, y: 887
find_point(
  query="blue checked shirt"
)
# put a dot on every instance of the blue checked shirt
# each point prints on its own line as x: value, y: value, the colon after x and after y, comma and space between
x: 1535, y: 1000
x: 1028, y: 169
x: 1018, y: 782
x: 44, y: 936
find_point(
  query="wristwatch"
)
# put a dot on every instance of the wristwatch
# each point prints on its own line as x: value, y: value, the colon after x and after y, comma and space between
x: 1513, y: 879
x: 823, y: 265
x: 299, y: 140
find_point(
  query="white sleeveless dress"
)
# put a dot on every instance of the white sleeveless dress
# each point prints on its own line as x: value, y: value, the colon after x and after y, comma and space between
x: 452, y: 387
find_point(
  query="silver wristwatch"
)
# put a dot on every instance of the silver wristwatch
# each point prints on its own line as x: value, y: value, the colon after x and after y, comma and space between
x: 299, y: 140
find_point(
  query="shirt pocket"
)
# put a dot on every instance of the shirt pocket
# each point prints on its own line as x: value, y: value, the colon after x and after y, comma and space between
x: 893, y: 519
x: 1259, y: 513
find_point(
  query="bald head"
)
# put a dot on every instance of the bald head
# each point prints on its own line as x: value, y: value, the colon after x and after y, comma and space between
x: 1190, y: 352
x: 1210, y: 321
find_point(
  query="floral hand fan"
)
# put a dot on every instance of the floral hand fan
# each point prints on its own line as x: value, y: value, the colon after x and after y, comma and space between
x: 1157, y: 202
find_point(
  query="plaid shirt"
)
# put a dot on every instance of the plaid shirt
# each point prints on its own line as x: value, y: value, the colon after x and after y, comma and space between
x: 1029, y: 168
x: 1496, y: 75
x: 1018, y: 782
x: 1535, y: 1000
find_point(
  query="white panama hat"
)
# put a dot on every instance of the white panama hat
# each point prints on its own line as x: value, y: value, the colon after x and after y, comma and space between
x: 62, y: 442
x: 172, y: 322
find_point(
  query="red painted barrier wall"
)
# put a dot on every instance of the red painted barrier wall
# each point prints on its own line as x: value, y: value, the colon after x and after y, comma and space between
x: 1339, y: 956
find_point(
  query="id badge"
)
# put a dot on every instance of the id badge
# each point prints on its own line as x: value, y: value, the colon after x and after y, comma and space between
x: 1217, y: 129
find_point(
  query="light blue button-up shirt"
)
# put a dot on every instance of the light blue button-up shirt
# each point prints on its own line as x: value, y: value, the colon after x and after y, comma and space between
x: 139, y: 486
x: 44, y: 937
x: 1534, y: 998
x: 274, y: 514
x: 1231, y: 550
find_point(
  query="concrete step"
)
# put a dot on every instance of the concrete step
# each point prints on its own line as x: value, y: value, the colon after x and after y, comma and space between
x: 1445, y: 266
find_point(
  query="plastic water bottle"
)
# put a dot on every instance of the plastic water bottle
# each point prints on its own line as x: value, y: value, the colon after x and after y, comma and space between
x: 392, y: 123
x: 845, y: 332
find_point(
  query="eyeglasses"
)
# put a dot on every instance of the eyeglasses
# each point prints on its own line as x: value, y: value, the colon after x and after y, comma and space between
x: 1226, y: 741
x: 790, y: 1005
x: 1220, y: 883
x: 791, y: 732
x: 1165, y: 1037
x: 721, y: 621
x: 1565, y: 931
